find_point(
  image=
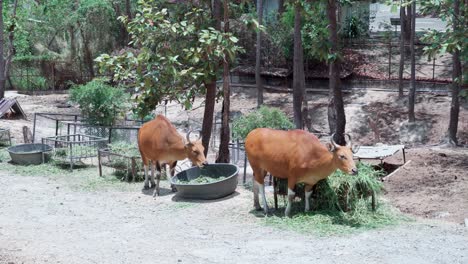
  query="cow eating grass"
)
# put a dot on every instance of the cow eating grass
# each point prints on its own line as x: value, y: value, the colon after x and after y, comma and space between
x: 297, y: 156
x: 160, y: 144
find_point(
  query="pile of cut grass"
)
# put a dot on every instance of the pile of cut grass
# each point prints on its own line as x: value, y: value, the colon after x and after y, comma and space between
x: 341, y: 204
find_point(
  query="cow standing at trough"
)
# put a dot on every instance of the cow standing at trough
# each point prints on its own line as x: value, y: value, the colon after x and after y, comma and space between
x: 160, y: 144
x: 297, y: 156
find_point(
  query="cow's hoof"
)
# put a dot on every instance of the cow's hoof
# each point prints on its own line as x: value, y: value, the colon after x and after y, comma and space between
x: 146, y: 187
x: 173, y: 189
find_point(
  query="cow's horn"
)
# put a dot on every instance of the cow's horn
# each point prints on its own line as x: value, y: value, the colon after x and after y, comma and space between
x: 188, y: 136
x: 349, y: 141
x: 333, y: 141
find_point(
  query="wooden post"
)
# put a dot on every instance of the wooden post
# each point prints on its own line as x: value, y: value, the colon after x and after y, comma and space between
x: 133, y: 169
x: 99, y: 163
x: 390, y: 59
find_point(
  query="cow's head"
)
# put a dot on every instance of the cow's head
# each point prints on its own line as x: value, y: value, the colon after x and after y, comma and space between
x: 195, y: 151
x: 343, y: 155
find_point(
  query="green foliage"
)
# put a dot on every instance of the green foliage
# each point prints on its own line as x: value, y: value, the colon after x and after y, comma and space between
x: 355, y: 26
x: 330, y: 199
x: 448, y: 40
x: 100, y: 103
x: 343, y: 192
x: 314, y: 31
x: 263, y: 117
x: 178, y: 53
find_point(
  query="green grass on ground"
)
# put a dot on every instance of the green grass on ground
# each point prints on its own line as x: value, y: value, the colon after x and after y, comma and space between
x: 83, y: 177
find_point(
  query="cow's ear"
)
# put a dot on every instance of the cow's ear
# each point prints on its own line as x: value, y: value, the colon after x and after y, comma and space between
x: 330, y: 147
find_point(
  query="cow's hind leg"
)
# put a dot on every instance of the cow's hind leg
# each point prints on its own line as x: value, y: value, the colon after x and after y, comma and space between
x: 308, y: 194
x: 145, y: 167
x: 259, y: 186
x: 291, y: 195
x: 157, y: 166
x: 172, y: 168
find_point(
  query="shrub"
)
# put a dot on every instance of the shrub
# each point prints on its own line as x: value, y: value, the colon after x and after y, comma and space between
x: 99, y: 102
x: 263, y: 117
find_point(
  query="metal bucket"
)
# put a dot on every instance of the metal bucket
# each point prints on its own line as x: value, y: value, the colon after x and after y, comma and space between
x: 30, y: 154
x: 206, y: 191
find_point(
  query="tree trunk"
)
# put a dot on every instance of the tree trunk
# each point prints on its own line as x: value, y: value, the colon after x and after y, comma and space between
x: 87, y: 54
x: 258, y: 57
x: 2, y: 59
x: 402, y: 50
x: 207, y: 125
x: 128, y: 9
x: 412, y: 92
x: 223, y: 155
x: 456, y: 81
x: 336, y: 113
x: 281, y: 8
x: 210, y: 97
x: 6, y: 62
x: 409, y: 18
x: 298, y: 69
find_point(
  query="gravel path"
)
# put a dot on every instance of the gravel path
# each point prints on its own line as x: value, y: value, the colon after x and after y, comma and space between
x: 42, y: 220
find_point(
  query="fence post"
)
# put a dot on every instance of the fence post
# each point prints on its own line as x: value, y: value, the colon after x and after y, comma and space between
x: 390, y: 59
x: 433, y: 69
x: 110, y: 135
x: 34, y: 128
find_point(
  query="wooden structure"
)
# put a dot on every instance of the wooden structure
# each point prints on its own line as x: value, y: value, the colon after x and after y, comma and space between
x: 106, y: 156
x: 11, y: 107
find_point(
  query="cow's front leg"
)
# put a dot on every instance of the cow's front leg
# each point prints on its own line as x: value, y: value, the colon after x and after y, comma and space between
x: 308, y: 194
x: 261, y: 188
x: 291, y: 195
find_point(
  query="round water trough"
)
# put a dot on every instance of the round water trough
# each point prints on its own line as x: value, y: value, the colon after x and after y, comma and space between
x: 206, y: 191
x: 29, y: 154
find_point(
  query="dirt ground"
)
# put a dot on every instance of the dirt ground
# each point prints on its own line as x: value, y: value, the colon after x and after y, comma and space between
x: 43, y: 220
x: 39, y: 216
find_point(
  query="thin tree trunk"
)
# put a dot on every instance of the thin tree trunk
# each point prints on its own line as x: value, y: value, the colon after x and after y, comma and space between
x: 87, y: 54
x: 412, y: 93
x: 207, y: 125
x: 128, y: 9
x: 402, y: 50
x: 223, y: 155
x: 210, y: 96
x: 280, y: 8
x: 336, y: 105
x: 409, y: 18
x: 71, y: 31
x: 258, y: 57
x: 456, y: 81
x: 6, y: 62
x: 2, y: 59
x: 298, y: 69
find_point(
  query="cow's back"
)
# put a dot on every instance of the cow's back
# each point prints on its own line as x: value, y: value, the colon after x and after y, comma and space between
x: 278, y: 152
x: 158, y: 139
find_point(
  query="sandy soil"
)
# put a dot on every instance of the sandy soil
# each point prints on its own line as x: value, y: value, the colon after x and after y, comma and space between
x: 40, y: 216
x: 44, y: 221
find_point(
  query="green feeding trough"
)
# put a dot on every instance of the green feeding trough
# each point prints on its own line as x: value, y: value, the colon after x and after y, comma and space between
x: 29, y: 154
x: 209, y: 182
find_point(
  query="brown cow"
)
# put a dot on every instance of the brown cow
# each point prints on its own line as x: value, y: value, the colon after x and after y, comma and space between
x: 297, y: 156
x: 161, y: 144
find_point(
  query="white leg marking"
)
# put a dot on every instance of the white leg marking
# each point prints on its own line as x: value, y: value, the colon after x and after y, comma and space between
x: 291, y: 195
x: 146, y: 176
x: 307, y: 201
x: 261, y: 188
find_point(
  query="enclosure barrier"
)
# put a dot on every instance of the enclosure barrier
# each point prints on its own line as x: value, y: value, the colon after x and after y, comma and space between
x: 128, y: 163
x: 74, y: 148
x: 5, y: 137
